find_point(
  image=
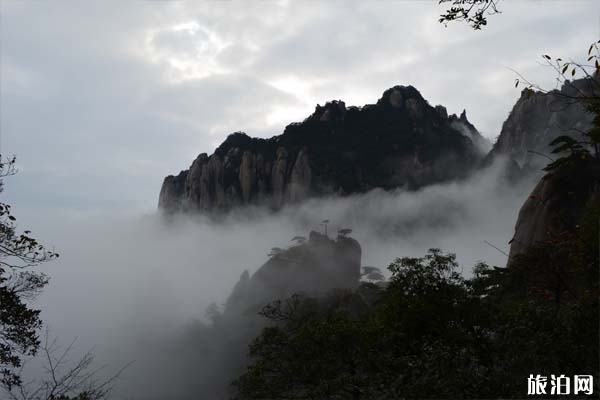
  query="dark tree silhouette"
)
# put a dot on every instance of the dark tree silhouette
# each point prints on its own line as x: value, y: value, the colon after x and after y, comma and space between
x: 372, y: 274
x: 430, y: 333
x: 299, y: 239
x: 344, y: 232
x: 473, y: 12
x: 19, y: 324
x: 64, y: 379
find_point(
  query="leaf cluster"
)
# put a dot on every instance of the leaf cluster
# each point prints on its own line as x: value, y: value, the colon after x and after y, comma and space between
x: 473, y: 12
x: 19, y: 324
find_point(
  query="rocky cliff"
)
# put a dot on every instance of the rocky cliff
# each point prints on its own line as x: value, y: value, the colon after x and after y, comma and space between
x: 401, y: 141
x: 556, y: 204
x: 313, y: 266
x: 563, y: 194
x: 537, y: 118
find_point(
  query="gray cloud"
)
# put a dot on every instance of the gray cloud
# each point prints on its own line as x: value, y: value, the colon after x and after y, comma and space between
x: 101, y: 95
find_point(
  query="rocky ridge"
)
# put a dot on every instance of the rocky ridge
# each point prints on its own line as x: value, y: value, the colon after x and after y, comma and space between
x: 401, y: 141
x: 537, y: 118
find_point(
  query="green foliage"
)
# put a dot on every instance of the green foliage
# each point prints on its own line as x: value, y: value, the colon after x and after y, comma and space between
x: 18, y: 331
x: 473, y: 12
x: 317, y: 353
x: 576, y: 152
x: 431, y: 333
x: 19, y: 324
x: 593, y: 106
x: 548, y: 306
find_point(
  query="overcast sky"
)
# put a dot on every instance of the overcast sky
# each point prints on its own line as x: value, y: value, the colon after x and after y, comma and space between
x: 101, y: 100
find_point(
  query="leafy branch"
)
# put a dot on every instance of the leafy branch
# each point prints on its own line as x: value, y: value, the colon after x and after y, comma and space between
x: 473, y: 12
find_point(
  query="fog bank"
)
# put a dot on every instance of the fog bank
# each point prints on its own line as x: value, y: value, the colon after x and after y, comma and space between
x: 126, y: 285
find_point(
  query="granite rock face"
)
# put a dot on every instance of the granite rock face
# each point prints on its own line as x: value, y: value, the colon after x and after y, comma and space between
x: 556, y: 204
x: 173, y: 191
x: 537, y: 118
x: 401, y: 141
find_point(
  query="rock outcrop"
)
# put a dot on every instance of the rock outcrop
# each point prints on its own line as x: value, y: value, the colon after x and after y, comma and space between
x: 401, y: 141
x: 537, y: 118
x: 463, y: 125
x: 556, y: 204
x: 312, y: 267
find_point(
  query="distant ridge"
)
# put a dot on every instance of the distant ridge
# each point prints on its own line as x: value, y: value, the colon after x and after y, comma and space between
x: 401, y: 141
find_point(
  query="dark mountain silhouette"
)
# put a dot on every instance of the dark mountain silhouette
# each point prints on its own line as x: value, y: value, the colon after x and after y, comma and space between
x: 401, y: 141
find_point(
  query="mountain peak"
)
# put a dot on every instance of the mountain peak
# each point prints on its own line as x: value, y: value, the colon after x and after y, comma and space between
x: 334, y: 110
x: 398, y: 96
x: 539, y: 117
x: 401, y: 141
